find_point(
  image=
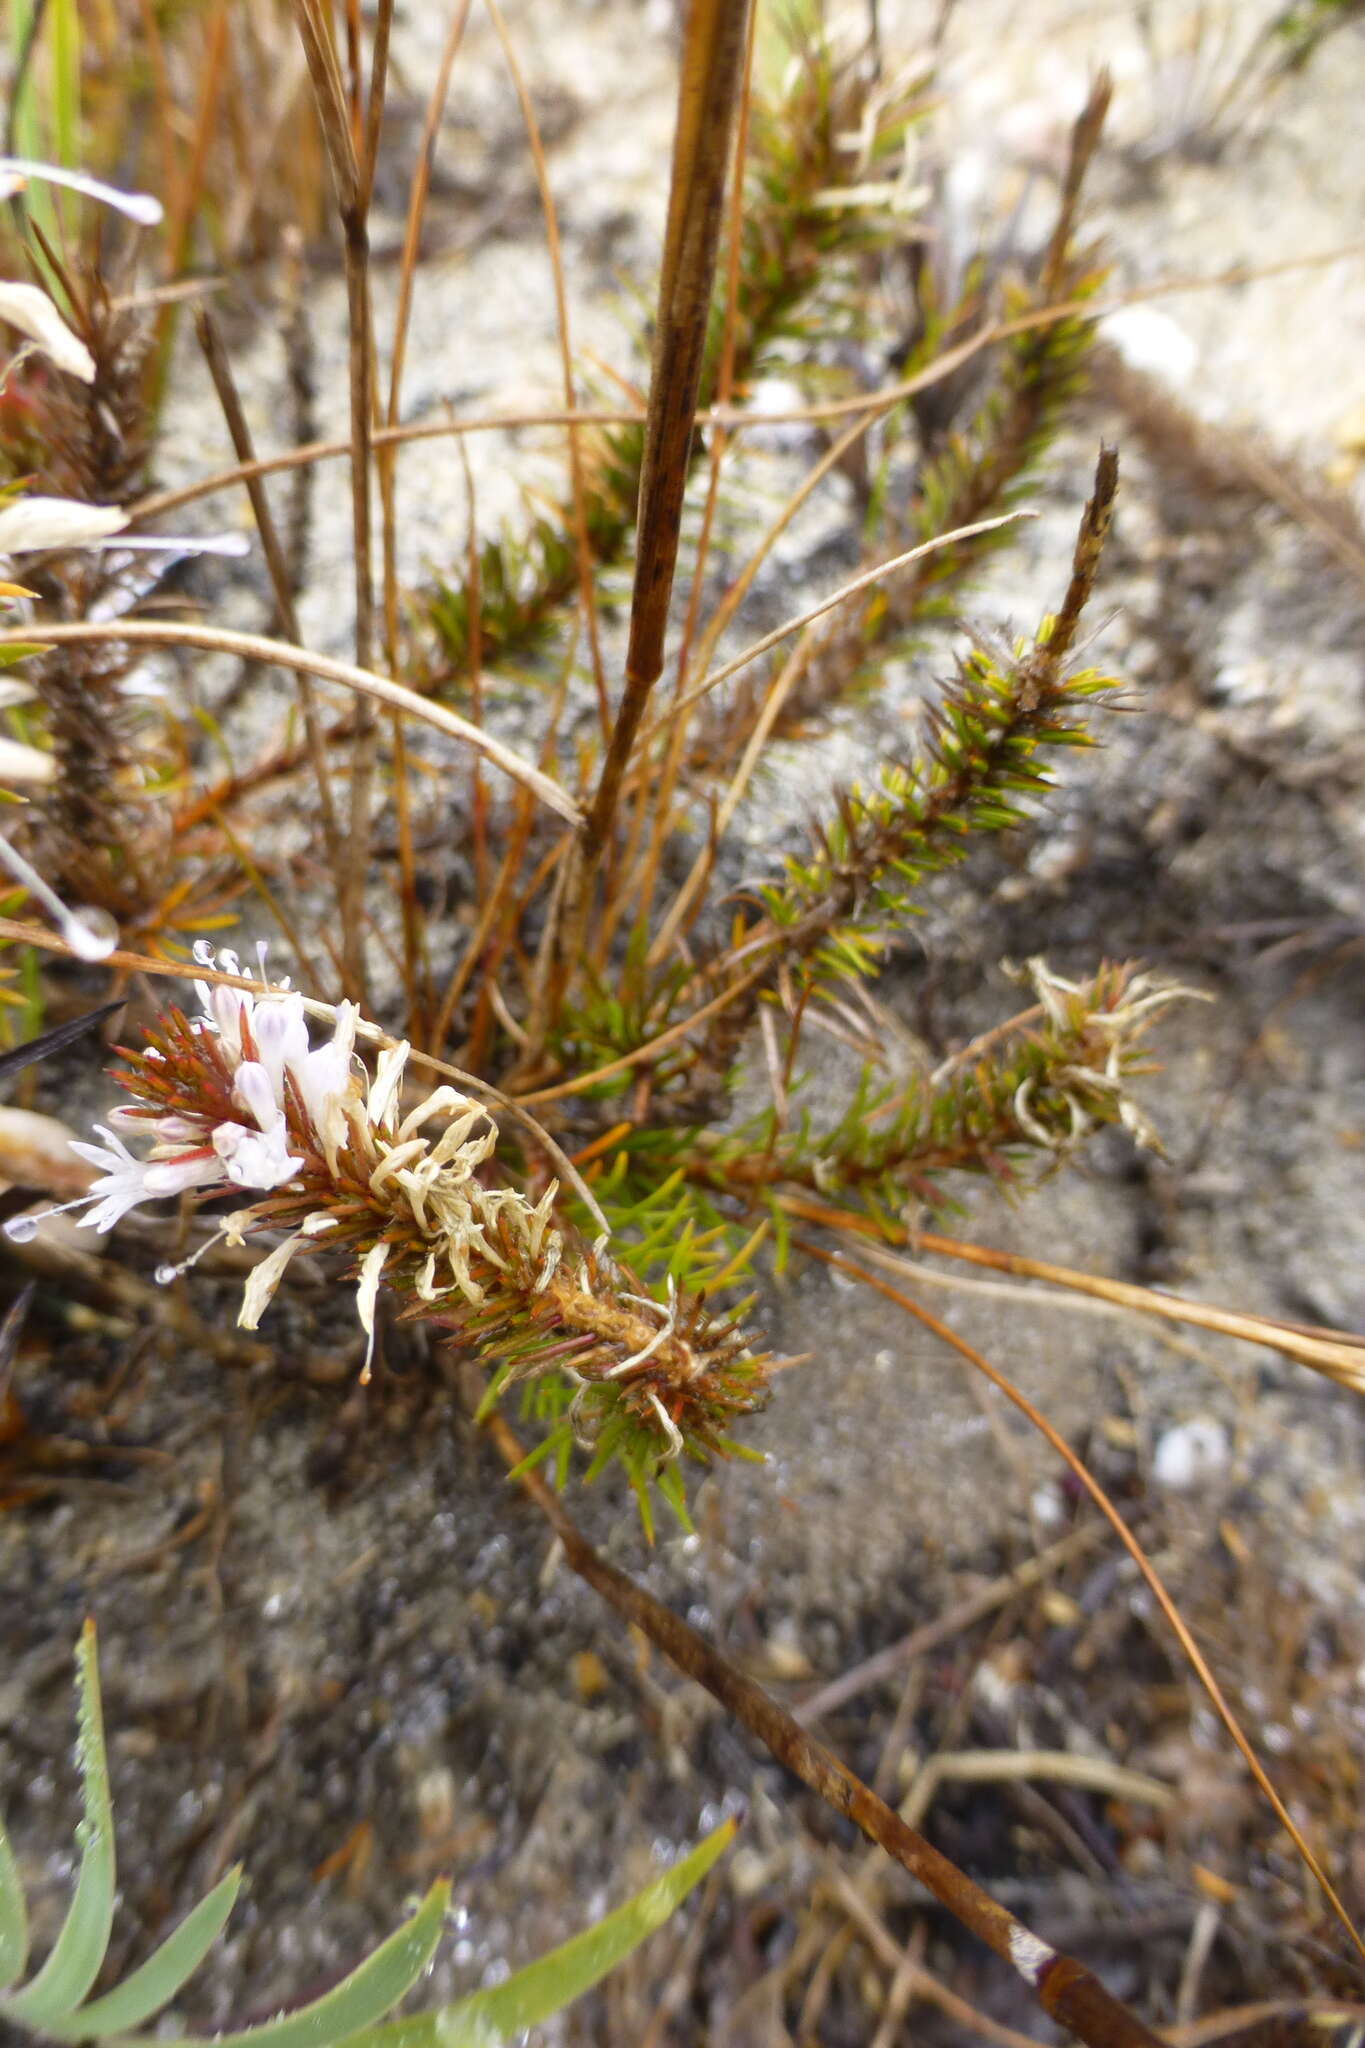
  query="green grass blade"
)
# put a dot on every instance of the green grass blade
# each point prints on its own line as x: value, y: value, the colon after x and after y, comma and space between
x: 155, y: 1982
x: 78, y: 1951
x: 354, y: 2004
x: 64, y: 90
x: 13, y: 1919
x: 547, y: 1986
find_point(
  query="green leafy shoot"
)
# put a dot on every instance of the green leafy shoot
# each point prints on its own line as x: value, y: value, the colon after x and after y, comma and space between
x: 50, y: 2005
x: 157, y: 1981
x: 358, y: 2001
x: 13, y: 1917
x: 545, y: 1987
x: 78, y: 1951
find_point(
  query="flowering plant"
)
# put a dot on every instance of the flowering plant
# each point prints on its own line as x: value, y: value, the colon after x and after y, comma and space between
x: 238, y: 1098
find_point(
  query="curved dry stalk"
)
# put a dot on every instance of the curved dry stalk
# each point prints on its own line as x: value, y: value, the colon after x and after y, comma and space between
x: 865, y: 579
x: 256, y: 647
x: 1065, y: 1989
x: 417, y: 199
x: 304, y: 453
x: 225, y: 384
x: 731, y: 417
x: 1193, y: 1654
x: 1339, y: 1357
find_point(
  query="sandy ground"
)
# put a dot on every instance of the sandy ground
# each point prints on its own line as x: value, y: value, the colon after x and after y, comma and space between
x: 359, y: 1670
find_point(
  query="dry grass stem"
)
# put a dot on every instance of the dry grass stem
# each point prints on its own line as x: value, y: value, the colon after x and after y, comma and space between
x: 255, y: 647
x: 1193, y: 1654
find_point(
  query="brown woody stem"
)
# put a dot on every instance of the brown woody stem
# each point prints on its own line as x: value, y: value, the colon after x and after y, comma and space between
x: 1064, y: 1988
x: 708, y: 88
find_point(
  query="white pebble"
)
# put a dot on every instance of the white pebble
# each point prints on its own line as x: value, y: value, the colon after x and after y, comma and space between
x: 1191, y: 1452
x: 1151, y: 341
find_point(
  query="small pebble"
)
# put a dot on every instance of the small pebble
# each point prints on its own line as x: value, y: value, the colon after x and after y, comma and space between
x: 1152, y: 342
x: 1191, y: 1452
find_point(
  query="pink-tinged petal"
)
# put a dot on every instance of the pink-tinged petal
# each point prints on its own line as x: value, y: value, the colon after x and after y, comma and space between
x: 177, y: 1130
x: 226, y: 1008
x: 174, y: 1176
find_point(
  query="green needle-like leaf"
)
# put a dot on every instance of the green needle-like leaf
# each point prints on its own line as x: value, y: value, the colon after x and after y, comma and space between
x: 547, y: 1986
x: 156, y: 1982
x: 354, y: 2004
x: 13, y: 1919
x: 78, y: 1951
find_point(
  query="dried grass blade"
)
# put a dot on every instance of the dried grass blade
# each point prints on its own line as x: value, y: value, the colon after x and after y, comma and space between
x: 256, y: 647
x: 1339, y: 1358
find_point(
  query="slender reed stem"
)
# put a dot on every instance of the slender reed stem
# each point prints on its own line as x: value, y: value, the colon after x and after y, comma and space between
x: 586, y: 591
x: 712, y: 64
x: 352, y: 196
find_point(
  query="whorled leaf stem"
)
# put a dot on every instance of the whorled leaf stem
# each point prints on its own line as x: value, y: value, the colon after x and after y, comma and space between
x: 238, y: 1099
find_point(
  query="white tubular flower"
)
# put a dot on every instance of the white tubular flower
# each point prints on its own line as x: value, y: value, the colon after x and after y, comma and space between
x: 253, y: 1159
x: 123, y: 1184
x: 16, y: 171
x: 32, y: 525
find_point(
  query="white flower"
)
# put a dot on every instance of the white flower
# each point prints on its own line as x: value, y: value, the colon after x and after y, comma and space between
x: 291, y: 1103
x: 31, y: 525
x: 325, y: 1084
x: 29, y: 308
x: 123, y: 1184
x: 281, y: 1037
x: 255, y: 1159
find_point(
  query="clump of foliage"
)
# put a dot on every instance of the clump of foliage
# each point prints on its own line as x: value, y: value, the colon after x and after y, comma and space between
x: 582, y: 1015
x: 55, y: 2003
